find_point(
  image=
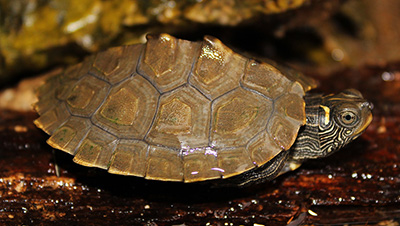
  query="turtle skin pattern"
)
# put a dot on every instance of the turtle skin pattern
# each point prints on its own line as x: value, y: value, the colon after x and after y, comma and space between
x: 173, y: 110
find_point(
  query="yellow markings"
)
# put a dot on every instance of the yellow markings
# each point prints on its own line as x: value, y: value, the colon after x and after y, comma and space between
x: 327, y: 113
x: 294, y: 165
x: 365, y: 125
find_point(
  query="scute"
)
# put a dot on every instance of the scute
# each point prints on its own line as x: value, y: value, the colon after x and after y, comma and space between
x: 217, y: 69
x: 234, y: 161
x: 176, y: 56
x: 200, y: 164
x: 291, y: 106
x: 86, y: 96
x: 45, y: 94
x: 237, y: 117
x: 182, y: 119
x: 68, y: 136
x: 262, y: 148
x: 173, y: 110
x: 129, y: 108
x: 265, y: 79
x: 116, y: 64
x: 96, y: 149
x: 282, y: 131
x: 52, y: 119
x: 305, y: 82
x: 129, y: 158
x: 164, y: 164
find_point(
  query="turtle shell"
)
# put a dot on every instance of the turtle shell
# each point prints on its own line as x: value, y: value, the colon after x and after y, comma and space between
x: 173, y: 110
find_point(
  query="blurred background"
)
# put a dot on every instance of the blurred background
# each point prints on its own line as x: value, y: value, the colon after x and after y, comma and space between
x: 315, y: 36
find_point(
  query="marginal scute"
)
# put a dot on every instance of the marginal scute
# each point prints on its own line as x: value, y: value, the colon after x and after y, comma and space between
x: 129, y: 108
x: 292, y: 106
x: 48, y: 87
x: 96, y: 149
x: 265, y: 79
x: 45, y: 104
x: 53, y: 118
x: 167, y: 61
x: 237, y: 117
x: 182, y: 119
x: 116, y: 64
x: 234, y: 161
x: 45, y: 94
x: 297, y: 89
x: 164, y: 164
x: 218, y: 69
x: 282, y: 131
x: 262, y: 148
x: 200, y: 164
x: 86, y: 96
x: 68, y: 136
x: 129, y: 158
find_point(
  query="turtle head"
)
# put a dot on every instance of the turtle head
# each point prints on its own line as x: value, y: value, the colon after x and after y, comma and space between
x: 342, y: 118
x: 332, y: 122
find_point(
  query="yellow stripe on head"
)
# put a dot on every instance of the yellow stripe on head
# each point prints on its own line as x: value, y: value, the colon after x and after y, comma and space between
x: 327, y: 113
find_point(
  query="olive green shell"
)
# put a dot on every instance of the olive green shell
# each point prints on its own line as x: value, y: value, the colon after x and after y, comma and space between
x: 173, y: 110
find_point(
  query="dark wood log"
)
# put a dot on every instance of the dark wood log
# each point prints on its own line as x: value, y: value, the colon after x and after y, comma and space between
x: 358, y: 185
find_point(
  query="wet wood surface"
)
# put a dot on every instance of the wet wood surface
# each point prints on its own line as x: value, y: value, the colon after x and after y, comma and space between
x: 358, y: 185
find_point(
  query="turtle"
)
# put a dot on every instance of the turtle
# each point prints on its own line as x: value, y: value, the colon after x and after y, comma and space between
x: 177, y: 110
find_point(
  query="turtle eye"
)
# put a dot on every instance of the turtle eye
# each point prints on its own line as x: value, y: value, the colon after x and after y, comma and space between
x: 348, y: 118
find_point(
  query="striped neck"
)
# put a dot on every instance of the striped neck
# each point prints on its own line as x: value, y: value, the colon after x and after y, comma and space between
x: 332, y: 122
x: 307, y: 144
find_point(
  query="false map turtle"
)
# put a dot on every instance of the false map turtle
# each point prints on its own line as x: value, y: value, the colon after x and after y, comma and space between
x: 176, y: 110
